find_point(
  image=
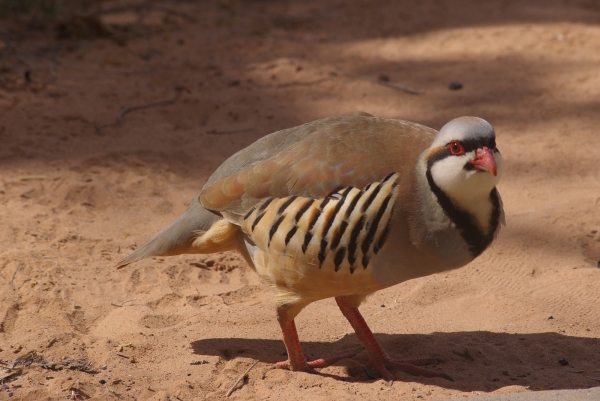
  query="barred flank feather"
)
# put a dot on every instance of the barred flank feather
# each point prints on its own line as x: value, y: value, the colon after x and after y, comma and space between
x: 341, y: 231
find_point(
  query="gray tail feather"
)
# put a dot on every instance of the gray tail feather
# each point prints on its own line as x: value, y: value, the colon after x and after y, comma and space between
x: 177, y: 238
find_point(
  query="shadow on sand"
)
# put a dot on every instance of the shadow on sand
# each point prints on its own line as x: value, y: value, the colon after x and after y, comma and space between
x: 541, y: 361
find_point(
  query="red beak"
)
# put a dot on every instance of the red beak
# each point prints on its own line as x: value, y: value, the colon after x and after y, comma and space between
x: 484, y: 161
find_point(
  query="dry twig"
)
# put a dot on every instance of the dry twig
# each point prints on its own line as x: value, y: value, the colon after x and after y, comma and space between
x: 9, y: 373
x: 389, y: 84
x: 12, y: 280
x: 121, y: 346
x: 123, y: 303
x: 240, y: 379
x: 144, y: 106
x: 32, y: 358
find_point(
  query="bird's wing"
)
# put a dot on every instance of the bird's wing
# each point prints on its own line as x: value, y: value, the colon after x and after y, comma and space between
x: 349, y: 152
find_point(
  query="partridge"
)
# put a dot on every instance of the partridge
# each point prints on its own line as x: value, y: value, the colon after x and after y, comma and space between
x: 345, y: 206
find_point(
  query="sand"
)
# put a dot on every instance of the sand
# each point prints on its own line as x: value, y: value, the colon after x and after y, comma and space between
x: 78, y: 192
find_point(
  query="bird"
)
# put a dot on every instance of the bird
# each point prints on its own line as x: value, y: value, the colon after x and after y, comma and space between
x: 345, y: 206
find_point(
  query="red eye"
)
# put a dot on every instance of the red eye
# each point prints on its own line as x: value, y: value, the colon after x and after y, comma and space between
x: 456, y: 148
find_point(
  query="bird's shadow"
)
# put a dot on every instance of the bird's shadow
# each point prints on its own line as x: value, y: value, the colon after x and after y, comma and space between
x: 478, y: 361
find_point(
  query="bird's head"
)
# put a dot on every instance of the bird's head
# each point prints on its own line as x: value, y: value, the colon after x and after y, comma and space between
x: 463, y: 159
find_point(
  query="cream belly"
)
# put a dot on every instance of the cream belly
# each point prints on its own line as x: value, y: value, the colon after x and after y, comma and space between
x: 303, y: 281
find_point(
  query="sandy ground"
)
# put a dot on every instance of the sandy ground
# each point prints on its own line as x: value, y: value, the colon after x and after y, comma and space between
x: 78, y: 192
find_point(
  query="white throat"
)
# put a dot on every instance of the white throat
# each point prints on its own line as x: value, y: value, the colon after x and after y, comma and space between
x: 468, y: 189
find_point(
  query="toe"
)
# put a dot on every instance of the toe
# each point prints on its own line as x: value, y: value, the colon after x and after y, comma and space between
x: 378, y: 366
x: 288, y: 365
x: 324, y: 362
x: 282, y: 365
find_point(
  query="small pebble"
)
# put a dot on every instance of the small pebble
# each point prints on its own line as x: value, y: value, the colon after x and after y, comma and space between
x: 563, y: 362
x: 454, y: 86
x: 102, y: 381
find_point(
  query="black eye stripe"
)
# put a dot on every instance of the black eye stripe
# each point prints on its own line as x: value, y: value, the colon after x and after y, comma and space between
x: 469, y: 145
x: 472, y: 144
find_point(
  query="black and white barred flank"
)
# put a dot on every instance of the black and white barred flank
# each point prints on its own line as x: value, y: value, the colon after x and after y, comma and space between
x: 343, y: 230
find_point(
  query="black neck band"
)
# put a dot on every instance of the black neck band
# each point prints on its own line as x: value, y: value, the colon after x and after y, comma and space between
x: 465, y: 222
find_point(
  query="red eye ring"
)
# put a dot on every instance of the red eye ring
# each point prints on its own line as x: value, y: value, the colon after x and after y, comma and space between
x: 456, y: 148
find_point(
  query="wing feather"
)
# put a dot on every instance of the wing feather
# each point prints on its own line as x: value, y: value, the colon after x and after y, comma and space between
x: 347, y: 152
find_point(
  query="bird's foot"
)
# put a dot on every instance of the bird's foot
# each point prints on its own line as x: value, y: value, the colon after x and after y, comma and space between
x: 410, y: 366
x: 378, y: 357
x: 309, y: 367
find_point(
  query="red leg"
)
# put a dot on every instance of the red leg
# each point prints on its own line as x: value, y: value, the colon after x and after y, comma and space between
x: 377, y: 355
x: 296, y: 359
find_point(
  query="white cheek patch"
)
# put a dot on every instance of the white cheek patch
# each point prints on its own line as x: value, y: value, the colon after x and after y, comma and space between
x: 468, y: 189
x: 461, y: 184
x: 450, y: 175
